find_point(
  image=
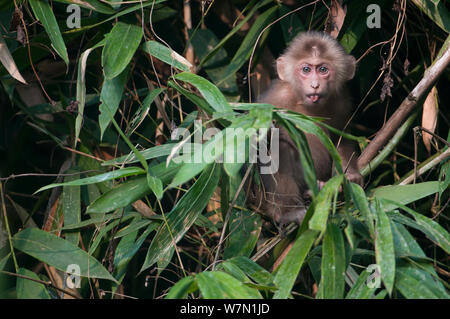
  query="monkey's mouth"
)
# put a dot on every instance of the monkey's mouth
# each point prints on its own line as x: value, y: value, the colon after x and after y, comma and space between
x: 313, y: 97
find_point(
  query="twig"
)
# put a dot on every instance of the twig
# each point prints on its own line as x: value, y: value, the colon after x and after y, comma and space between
x: 417, y: 128
x: 5, y: 216
x: 408, y: 104
x: 227, y: 216
x: 45, y: 283
x: 188, y: 24
x: 426, y: 167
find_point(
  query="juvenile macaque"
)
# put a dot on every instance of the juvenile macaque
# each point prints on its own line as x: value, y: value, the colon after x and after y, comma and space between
x: 312, y: 75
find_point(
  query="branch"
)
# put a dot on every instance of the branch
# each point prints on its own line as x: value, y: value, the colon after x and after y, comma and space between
x: 407, y: 106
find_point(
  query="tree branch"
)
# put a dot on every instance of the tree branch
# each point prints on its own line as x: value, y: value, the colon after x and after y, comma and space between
x: 407, y: 106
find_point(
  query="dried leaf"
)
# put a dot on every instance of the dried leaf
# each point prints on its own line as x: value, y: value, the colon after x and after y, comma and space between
x: 336, y: 18
x: 429, y: 117
x: 388, y: 83
x: 8, y: 62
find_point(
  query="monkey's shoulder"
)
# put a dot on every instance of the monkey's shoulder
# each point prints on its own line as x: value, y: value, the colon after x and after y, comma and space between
x: 279, y: 94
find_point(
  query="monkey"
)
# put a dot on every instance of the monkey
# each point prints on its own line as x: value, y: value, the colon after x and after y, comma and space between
x: 312, y: 75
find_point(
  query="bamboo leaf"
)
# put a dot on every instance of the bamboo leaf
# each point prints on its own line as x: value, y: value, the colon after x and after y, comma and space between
x: 245, y: 50
x: 121, y: 44
x: 8, y: 62
x: 182, y: 216
x: 409, y: 278
x: 384, y: 248
x: 182, y: 288
x: 220, y: 285
x: 209, y: 91
x: 120, y: 196
x: 110, y: 96
x: 361, y: 290
x: 71, y: 202
x: 44, y: 13
x: 290, y: 267
x: 332, y: 282
x: 167, y: 55
x: 123, y: 172
x: 58, y: 253
x: 28, y: 289
x: 405, y: 194
x: 253, y: 270
x: 323, y: 203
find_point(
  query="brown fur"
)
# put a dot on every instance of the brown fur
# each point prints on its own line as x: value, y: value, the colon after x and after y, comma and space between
x: 282, y: 196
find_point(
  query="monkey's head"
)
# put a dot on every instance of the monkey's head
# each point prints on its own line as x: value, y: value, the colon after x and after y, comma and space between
x: 316, y: 66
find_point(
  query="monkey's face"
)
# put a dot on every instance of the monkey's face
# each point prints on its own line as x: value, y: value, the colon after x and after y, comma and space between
x: 313, y: 79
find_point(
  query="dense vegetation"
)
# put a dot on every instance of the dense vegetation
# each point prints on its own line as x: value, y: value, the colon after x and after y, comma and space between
x: 90, y: 181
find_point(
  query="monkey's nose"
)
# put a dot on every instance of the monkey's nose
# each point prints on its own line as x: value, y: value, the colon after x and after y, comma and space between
x: 315, y: 85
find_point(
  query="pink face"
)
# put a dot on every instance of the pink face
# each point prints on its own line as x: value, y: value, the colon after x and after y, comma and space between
x: 313, y: 77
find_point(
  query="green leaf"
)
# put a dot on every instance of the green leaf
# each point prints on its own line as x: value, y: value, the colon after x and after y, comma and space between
x: 253, y: 9
x: 253, y: 270
x: 121, y: 258
x: 167, y: 55
x: 384, y: 248
x: 119, y: 173
x: 182, y: 288
x: 323, y: 203
x: 202, y: 41
x: 155, y: 184
x: 290, y: 25
x: 182, y: 216
x: 95, y: 5
x: 288, y: 270
x: 29, y: 289
x: 44, y: 13
x: 436, y: 11
x: 103, y: 232
x: 110, y: 98
x: 244, y: 230
x: 194, y: 98
x: 58, y: 253
x: 126, y: 250
x: 220, y: 285
x: 234, y: 271
x: 308, y: 125
x: 245, y: 50
x: 96, y: 221
x: 432, y: 229
x: 357, y: 27
x: 405, y: 194
x: 415, y: 283
x: 361, y: 290
x: 140, y: 115
x: 120, y: 196
x: 244, y: 227
x: 81, y: 88
x: 134, y: 226
x: 150, y: 153
x: 121, y: 44
x: 404, y: 242
x: 362, y: 204
x: 71, y: 202
x: 332, y: 282
x: 208, y: 90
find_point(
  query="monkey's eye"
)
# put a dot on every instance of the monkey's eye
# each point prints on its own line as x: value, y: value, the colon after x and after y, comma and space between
x: 306, y: 69
x: 323, y: 70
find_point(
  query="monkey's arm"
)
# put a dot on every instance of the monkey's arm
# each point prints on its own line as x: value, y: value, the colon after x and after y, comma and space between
x: 347, y: 151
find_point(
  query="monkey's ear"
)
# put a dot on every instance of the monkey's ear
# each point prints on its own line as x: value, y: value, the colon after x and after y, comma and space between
x: 351, y: 67
x: 281, y: 69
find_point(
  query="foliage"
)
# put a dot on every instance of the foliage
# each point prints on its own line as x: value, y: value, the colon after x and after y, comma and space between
x: 97, y: 170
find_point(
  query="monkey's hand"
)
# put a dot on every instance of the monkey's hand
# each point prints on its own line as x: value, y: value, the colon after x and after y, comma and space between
x: 355, y: 176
